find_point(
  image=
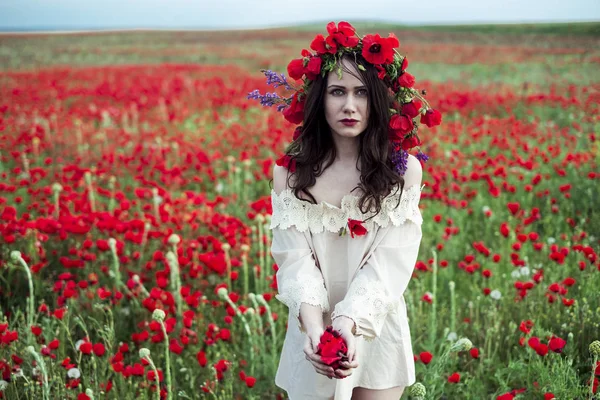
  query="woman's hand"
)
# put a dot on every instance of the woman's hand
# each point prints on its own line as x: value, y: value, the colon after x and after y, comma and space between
x: 311, y: 343
x: 345, y: 326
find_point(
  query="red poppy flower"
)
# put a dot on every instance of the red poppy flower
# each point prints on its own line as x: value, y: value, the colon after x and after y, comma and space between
x: 557, y: 344
x: 378, y: 50
x: 454, y: 378
x: 344, y: 34
x: 356, y: 228
x: 295, y: 111
x: 297, y: 132
x: 406, y: 80
x: 380, y: 72
x: 404, y: 64
x: 400, y: 126
x: 412, y: 109
x: 426, y: 357
x: 410, y: 142
x: 431, y: 118
x: 287, y: 162
x: 332, y: 348
x: 308, y: 65
x: 322, y: 46
x: 296, y: 68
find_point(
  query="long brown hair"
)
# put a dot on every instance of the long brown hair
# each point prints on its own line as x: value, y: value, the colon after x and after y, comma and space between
x: 314, y: 150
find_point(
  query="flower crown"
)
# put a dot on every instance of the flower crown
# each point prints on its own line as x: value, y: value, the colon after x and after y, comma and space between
x: 408, y: 102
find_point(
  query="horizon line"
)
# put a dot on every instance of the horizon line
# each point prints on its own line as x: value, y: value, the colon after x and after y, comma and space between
x: 108, y: 28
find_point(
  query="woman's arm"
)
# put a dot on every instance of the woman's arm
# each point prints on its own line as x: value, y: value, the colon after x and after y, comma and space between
x: 300, y: 283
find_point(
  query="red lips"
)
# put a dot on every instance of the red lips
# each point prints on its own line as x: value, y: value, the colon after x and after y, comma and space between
x: 349, y: 122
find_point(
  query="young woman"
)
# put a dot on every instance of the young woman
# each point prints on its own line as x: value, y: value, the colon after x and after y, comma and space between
x: 346, y: 222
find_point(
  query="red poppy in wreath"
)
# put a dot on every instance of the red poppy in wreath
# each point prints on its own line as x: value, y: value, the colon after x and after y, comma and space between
x: 378, y: 50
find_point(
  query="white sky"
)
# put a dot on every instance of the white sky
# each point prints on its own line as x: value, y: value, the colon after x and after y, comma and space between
x: 265, y: 13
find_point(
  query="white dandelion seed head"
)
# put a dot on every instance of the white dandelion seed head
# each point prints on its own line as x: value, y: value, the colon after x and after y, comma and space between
x: 78, y: 344
x: 74, y: 373
x: 3, y: 385
x: 516, y: 274
x: 495, y: 294
x: 452, y: 336
x: 524, y: 271
x: 551, y: 240
x: 485, y: 209
x: 219, y: 187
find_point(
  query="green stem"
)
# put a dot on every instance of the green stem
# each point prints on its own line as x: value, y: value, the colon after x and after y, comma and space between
x: 433, y: 316
x: 31, y: 298
x: 42, y: 365
x: 168, y: 361
x: 156, y: 380
x: 592, y: 378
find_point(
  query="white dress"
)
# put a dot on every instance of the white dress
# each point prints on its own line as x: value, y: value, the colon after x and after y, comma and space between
x: 363, y: 278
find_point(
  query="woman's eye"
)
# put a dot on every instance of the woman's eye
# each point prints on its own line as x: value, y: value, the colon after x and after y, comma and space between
x: 362, y: 92
x: 337, y: 92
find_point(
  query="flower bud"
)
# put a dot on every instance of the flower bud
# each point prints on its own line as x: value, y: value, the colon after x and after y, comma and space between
x: 462, y: 344
x: 418, y: 390
x: 223, y: 293
x: 595, y: 348
x: 158, y: 315
x: 144, y: 352
x: 174, y: 239
x: 15, y: 255
x: 112, y: 243
x: 226, y: 247
x: 245, y: 248
x: 57, y: 187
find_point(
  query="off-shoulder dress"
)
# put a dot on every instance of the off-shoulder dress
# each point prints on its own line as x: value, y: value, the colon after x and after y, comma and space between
x: 363, y: 278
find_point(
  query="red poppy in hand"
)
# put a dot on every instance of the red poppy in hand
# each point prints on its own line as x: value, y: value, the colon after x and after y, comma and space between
x: 332, y: 348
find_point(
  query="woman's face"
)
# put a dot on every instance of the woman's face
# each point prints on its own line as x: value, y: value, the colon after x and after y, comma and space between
x: 346, y: 103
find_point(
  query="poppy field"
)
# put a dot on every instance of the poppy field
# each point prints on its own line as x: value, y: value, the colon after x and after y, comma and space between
x: 135, y: 207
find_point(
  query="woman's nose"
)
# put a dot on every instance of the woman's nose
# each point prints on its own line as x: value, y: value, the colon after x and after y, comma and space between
x: 350, y: 104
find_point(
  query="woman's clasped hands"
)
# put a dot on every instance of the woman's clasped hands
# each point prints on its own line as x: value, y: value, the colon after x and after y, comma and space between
x: 344, y: 326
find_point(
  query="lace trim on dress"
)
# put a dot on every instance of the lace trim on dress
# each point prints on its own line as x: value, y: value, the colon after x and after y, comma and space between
x: 366, y: 298
x: 288, y: 210
x: 308, y: 290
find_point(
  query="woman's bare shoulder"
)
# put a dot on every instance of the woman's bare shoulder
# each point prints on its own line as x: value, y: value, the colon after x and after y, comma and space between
x: 280, y: 176
x: 414, y: 172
